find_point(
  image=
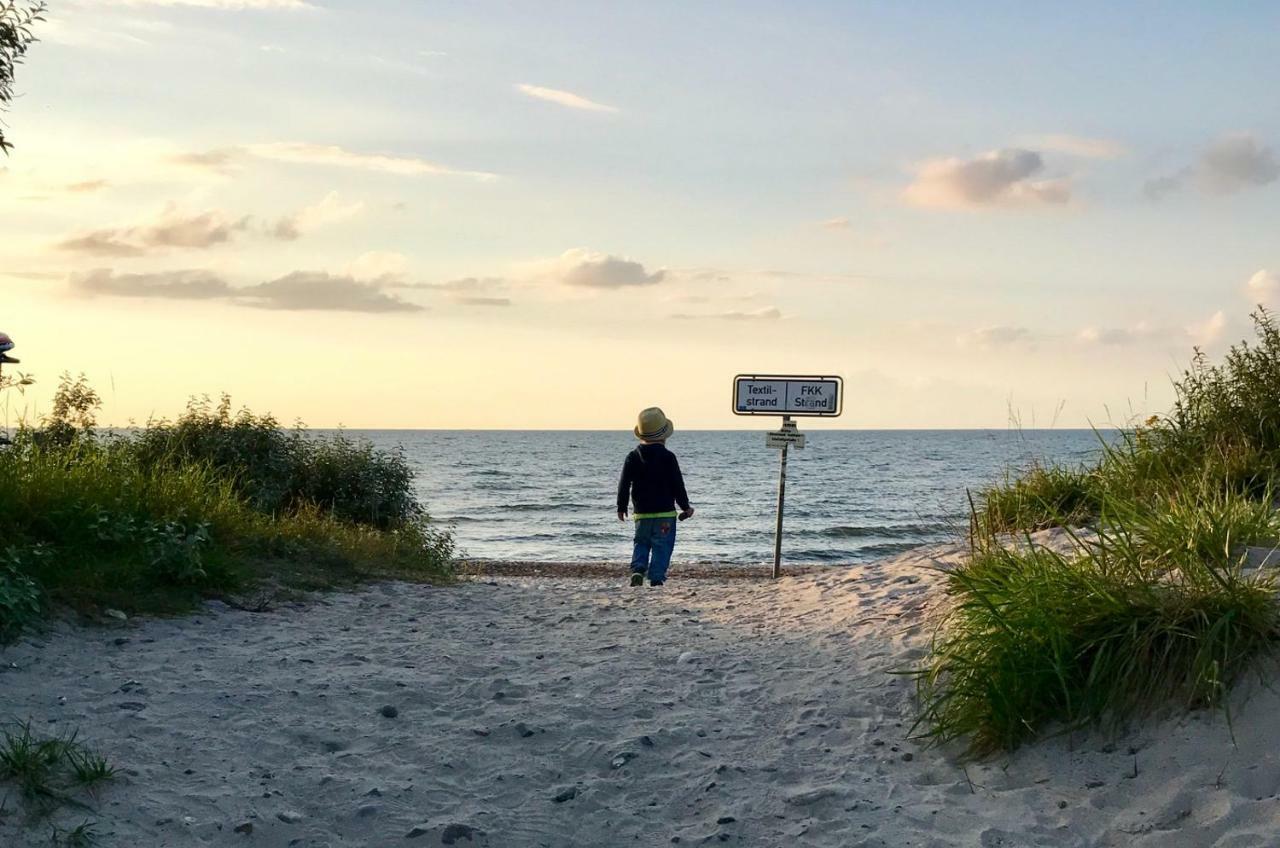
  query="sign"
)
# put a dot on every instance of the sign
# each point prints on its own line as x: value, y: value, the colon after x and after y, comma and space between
x: 784, y: 438
x: 789, y: 396
x: 786, y: 395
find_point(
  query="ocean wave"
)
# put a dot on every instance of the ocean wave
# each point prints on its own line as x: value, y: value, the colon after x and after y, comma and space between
x: 886, y: 549
x: 883, y: 530
x: 542, y: 507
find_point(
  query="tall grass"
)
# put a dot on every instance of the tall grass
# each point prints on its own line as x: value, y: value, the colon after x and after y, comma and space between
x: 1225, y: 424
x: 1041, y: 496
x: 208, y: 505
x: 1151, y: 603
x: 1154, y: 605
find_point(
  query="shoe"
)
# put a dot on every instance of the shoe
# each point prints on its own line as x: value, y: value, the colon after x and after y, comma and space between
x: 656, y: 582
x: 637, y: 579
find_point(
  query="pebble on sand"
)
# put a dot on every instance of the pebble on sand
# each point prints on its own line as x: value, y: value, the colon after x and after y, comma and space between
x: 565, y: 795
x: 389, y: 711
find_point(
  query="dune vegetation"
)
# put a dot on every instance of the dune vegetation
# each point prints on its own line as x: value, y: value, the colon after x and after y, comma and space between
x: 1152, y: 599
x: 213, y: 504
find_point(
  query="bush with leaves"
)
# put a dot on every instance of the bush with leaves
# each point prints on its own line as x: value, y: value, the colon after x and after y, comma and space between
x: 16, y: 37
x: 74, y: 414
x: 280, y: 470
x: 20, y: 597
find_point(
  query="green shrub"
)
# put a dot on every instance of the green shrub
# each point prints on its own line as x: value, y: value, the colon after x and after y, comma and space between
x: 20, y: 597
x: 94, y: 523
x: 1154, y: 606
x: 278, y: 471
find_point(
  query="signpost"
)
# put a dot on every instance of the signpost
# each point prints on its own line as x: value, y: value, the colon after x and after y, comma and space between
x: 813, y: 397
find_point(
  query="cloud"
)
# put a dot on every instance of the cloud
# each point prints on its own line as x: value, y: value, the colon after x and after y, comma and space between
x: 1208, y: 331
x: 384, y: 266
x: 219, y: 161
x: 835, y: 224
x: 1106, y: 336
x: 1263, y: 286
x: 1076, y: 145
x: 172, y: 230
x: 34, y: 275
x: 329, y: 210
x: 1161, y: 187
x: 87, y: 186
x: 1118, y: 336
x: 172, y: 285
x: 321, y: 154
x: 467, y: 291
x: 586, y: 269
x: 478, y: 300
x: 998, y: 178
x: 996, y: 337
x: 299, y: 291
x: 1229, y: 165
x: 100, y: 243
x: 236, y: 5
x: 563, y: 98
x: 767, y: 313
x: 316, y: 290
x: 1235, y: 163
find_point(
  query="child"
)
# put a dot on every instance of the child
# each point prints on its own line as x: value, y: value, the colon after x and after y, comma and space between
x: 651, y: 480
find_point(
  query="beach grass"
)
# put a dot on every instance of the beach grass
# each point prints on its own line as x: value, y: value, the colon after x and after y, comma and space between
x: 1224, y: 424
x: 1150, y: 602
x: 46, y: 770
x: 208, y: 506
x: 1150, y: 607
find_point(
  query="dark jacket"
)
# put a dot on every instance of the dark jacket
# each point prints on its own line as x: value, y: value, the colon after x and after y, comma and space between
x: 651, y: 479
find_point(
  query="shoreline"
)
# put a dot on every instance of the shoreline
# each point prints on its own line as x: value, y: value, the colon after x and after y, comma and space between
x: 620, y: 570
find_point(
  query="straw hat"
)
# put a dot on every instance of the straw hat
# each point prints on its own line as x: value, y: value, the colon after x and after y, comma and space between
x: 652, y: 425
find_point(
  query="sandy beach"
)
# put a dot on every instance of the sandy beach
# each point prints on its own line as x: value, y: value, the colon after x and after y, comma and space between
x: 558, y: 711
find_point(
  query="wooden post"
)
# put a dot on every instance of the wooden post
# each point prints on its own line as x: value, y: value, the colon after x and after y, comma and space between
x: 782, y: 499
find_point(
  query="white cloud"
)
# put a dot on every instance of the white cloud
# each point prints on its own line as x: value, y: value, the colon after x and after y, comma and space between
x: 168, y: 285
x: 221, y: 161
x: 467, y: 291
x: 322, y: 154
x: 1076, y: 145
x: 767, y: 313
x: 1206, y: 332
x: 586, y: 269
x: 835, y: 224
x: 173, y: 229
x: 384, y: 265
x: 329, y: 210
x: 999, y: 336
x: 221, y: 4
x: 563, y: 98
x: 1263, y: 286
x: 316, y: 290
x: 299, y: 291
x: 998, y: 178
x: 1118, y: 335
x: 60, y: 31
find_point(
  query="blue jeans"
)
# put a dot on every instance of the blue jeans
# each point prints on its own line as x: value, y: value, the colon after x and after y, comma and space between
x: 655, y: 540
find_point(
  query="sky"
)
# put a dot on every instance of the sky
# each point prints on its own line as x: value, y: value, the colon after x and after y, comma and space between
x: 552, y: 214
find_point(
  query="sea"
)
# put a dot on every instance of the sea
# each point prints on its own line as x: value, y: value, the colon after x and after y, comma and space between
x: 852, y: 495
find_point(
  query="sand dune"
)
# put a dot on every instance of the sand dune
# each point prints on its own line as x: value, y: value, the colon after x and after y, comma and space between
x: 579, y: 712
